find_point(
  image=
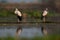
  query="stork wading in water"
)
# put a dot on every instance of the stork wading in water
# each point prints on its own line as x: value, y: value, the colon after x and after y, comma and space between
x: 19, y: 14
x: 45, y: 12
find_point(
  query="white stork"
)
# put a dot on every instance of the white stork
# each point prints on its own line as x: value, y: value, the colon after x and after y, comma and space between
x: 45, y: 12
x: 19, y: 14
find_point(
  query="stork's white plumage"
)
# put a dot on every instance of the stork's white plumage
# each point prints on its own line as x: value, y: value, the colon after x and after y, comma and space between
x: 17, y: 12
x: 45, y: 12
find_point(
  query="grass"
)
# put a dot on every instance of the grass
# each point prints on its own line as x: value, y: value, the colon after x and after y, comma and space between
x: 32, y: 15
x: 50, y: 37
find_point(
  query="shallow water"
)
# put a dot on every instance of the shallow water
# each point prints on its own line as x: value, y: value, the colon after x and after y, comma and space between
x: 26, y: 32
x: 29, y: 30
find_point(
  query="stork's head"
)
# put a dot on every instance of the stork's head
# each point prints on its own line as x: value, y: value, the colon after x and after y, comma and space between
x: 16, y: 9
x: 46, y: 8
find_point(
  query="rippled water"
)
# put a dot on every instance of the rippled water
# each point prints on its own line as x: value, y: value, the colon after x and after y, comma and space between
x: 26, y: 32
x: 29, y: 30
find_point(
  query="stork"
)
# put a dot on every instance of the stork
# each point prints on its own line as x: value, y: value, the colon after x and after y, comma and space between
x: 45, y: 12
x: 19, y: 14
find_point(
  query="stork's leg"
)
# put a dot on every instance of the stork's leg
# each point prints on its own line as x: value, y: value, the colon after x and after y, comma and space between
x: 18, y: 20
x: 44, y: 19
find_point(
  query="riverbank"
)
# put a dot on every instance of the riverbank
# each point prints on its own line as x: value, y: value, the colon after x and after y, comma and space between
x: 29, y: 20
x: 50, y: 37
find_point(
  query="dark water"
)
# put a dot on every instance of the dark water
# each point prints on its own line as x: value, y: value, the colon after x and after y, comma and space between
x: 29, y: 30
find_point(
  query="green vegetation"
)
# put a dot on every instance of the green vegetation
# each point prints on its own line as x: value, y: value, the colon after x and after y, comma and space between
x: 50, y: 37
x: 31, y: 13
x: 9, y: 16
x: 6, y: 13
x: 53, y: 14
